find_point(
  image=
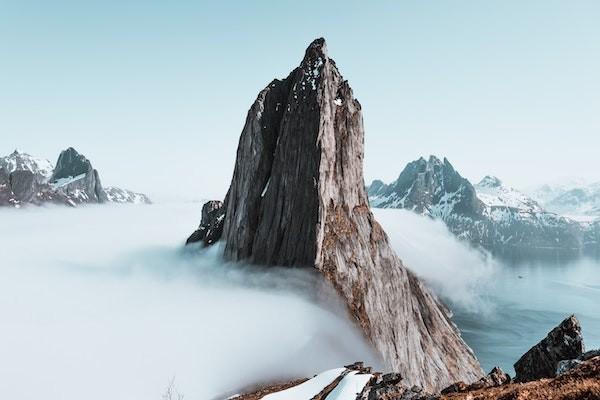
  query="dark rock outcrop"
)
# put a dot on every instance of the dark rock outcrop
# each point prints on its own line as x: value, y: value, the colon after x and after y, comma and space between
x: 297, y: 198
x: 75, y: 177
x: 567, y: 365
x: 211, y: 224
x: 562, y: 343
x: 490, y: 215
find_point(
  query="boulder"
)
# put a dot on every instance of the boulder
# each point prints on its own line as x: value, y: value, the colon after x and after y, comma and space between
x: 564, y: 342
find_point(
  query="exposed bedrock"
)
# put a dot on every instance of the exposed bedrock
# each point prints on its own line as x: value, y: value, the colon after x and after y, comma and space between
x: 564, y: 342
x: 297, y: 198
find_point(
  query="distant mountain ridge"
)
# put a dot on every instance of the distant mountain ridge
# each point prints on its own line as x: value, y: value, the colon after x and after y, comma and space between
x: 25, y: 179
x: 578, y: 199
x: 488, y: 214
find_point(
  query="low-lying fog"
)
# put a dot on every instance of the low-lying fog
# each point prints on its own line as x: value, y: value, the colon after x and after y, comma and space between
x: 103, y: 302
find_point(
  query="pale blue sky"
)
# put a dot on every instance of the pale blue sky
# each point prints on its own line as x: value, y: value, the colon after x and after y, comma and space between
x: 155, y: 93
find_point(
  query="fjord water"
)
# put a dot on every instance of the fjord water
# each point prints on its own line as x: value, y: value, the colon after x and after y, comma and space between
x: 528, y: 299
x: 502, y: 308
x: 103, y: 302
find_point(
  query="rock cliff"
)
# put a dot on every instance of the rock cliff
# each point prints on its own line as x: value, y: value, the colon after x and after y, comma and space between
x: 297, y: 198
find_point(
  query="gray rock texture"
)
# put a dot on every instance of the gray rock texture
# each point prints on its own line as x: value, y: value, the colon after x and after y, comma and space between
x: 564, y: 342
x: 297, y: 198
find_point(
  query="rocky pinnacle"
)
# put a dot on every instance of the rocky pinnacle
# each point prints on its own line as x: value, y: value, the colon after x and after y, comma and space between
x: 297, y: 198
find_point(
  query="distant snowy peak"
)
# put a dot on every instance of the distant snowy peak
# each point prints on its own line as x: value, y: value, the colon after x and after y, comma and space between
x: 118, y: 195
x: 579, y: 201
x: 494, y: 194
x: 551, y: 190
x: 17, y: 160
x: 490, y: 182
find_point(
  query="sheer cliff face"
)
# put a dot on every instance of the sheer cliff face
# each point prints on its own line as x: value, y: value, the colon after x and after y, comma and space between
x: 297, y: 198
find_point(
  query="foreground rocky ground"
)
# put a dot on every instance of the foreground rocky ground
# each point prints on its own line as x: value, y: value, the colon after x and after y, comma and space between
x: 556, y: 368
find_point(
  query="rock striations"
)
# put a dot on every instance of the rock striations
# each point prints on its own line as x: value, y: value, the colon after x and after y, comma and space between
x: 28, y: 180
x: 297, y: 198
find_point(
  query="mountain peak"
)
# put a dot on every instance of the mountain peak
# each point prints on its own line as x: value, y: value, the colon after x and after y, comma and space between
x: 317, y: 49
x: 71, y: 163
x: 490, y: 181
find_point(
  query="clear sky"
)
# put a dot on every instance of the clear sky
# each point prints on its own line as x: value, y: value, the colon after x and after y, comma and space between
x: 155, y: 93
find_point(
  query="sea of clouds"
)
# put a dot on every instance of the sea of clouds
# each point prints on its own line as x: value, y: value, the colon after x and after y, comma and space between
x: 104, y: 302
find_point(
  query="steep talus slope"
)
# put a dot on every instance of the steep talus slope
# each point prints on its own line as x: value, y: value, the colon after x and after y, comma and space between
x: 297, y: 198
x: 488, y: 214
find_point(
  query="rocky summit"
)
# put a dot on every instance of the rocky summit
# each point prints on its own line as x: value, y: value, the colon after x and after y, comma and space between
x: 488, y: 214
x: 29, y: 180
x: 297, y: 198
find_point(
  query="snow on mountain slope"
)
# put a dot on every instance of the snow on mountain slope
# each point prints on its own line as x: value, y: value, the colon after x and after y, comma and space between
x: 489, y: 214
x: 118, y: 195
x: 17, y: 160
x: 308, y: 389
x: 494, y: 194
x: 551, y: 190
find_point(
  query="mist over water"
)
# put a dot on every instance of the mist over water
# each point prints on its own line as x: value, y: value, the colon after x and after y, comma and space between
x: 104, y: 303
x: 501, y: 308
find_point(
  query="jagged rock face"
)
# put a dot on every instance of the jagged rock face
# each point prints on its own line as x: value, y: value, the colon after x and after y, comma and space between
x: 70, y: 164
x: 23, y: 184
x: 489, y: 215
x: 211, y: 224
x: 75, y: 177
x: 427, y: 185
x: 297, y: 198
x: 564, y: 342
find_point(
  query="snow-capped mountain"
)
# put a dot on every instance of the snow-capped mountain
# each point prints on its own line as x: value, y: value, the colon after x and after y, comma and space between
x: 577, y: 202
x: 28, y: 180
x: 17, y: 160
x: 118, y: 195
x: 551, y: 190
x: 489, y: 214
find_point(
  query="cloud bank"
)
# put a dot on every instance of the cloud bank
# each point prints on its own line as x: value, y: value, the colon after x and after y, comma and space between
x: 103, y: 302
x: 456, y: 271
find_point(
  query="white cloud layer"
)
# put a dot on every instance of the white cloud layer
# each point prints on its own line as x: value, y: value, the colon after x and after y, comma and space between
x: 102, y: 303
